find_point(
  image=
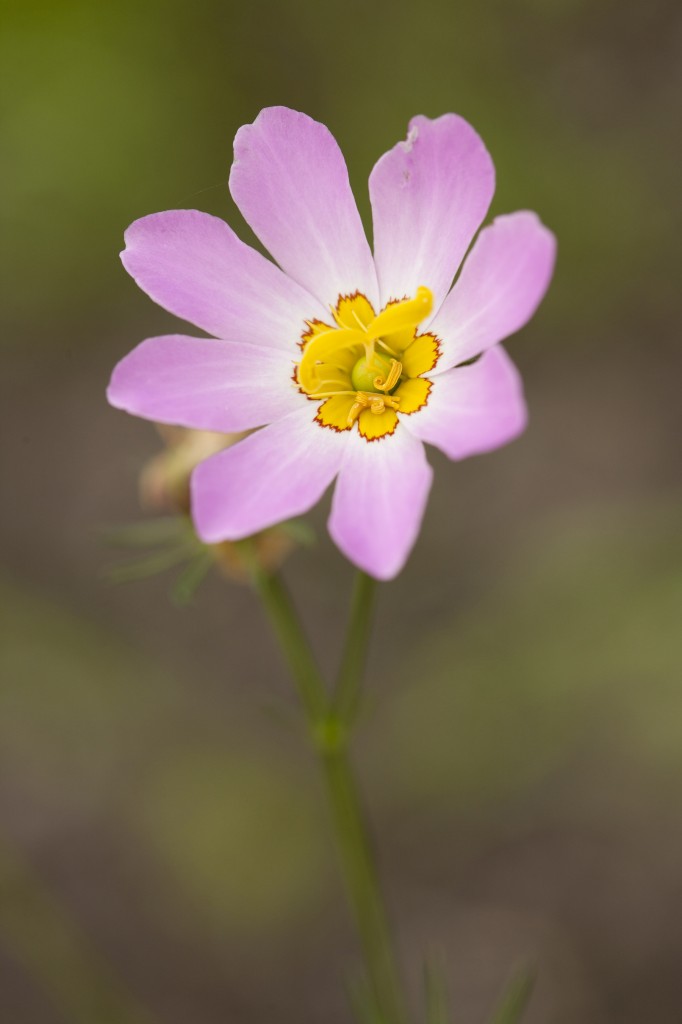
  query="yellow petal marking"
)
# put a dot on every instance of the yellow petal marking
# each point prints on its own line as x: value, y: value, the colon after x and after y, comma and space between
x: 314, y: 327
x: 353, y: 311
x: 421, y: 355
x: 335, y: 411
x: 373, y: 426
x: 413, y: 394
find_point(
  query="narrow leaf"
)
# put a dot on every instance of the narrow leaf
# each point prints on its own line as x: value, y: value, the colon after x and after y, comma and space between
x: 435, y: 995
x: 300, y: 531
x: 149, y: 533
x: 363, y: 1004
x: 515, y: 999
x: 142, y: 568
x: 191, y: 578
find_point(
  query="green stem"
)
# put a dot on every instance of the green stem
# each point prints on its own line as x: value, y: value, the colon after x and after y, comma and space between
x: 347, y: 692
x: 289, y: 632
x: 328, y: 723
x: 362, y: 885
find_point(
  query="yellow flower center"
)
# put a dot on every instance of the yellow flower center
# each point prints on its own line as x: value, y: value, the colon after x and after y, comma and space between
x: 368, y: 367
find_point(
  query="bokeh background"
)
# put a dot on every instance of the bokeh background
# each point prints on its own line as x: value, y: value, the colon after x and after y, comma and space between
x: 164, y: 849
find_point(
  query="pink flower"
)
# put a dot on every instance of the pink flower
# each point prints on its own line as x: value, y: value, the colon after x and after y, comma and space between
x: 347, y: 362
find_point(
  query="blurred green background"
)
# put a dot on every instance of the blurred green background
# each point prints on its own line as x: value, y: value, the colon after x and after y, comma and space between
x: 164, y: 851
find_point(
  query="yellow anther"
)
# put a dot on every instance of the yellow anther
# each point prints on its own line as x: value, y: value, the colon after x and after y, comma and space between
x: 359, y: 405
x: 375, y: 403
x: 392, y: 378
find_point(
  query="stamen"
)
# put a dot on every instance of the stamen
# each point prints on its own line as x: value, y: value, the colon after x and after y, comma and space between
x: 361, y: 402
x: 375, y: 403
x: 337, y: 379
x: 329, y: 394
x: 382, y: 344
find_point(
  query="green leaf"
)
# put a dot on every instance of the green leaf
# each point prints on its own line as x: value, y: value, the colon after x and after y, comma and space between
x: 435, y: 995
x: 515, y: 1000
x: 362, y: 1002
x: 149, y: 533
x: 300, y: 531
x: 191, y: 578
x: 142, y: 568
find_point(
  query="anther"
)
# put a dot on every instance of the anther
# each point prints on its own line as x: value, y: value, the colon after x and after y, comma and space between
x: 361, y: 402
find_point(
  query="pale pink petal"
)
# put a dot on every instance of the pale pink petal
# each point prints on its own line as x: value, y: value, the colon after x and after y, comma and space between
x: 472, y: 409
x: 204, y: 383
x: 379, y: 501
x: 279, y: 472
x: 194, y: 265
x: 289, y: 180
x: 501, y: 285
x: 429, y: 196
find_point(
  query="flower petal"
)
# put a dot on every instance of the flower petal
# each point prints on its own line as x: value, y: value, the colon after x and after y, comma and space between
x: 472, y: 409
x: 289, y: 180
x: 194, y: 265
x: 429, y: 195
x: 501, y: 285
x: 379, y: 501
x: 279, y: 472
x: 204, y: 383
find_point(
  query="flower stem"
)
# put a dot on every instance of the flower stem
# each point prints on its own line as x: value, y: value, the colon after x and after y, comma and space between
x: 328, y: 723
x: 289, y: 632
x: 349, y: 682
x: 362, y: 885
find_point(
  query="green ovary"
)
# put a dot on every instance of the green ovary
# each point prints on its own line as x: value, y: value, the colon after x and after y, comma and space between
x: 365, y: 372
